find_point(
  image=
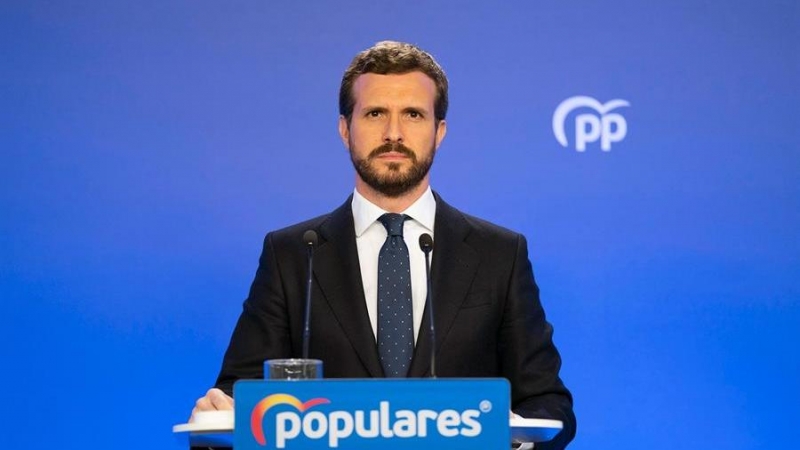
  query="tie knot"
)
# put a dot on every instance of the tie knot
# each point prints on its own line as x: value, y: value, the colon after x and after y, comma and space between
x: 393, y: 223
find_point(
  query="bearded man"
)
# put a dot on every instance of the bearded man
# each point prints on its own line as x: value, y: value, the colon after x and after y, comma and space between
x: 489, y: 320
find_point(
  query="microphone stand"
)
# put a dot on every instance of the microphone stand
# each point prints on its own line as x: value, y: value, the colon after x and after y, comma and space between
x: 426, y: 245
x: 310, y: 238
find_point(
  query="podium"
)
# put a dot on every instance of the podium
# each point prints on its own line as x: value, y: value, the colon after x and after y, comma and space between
x: 355, y: 414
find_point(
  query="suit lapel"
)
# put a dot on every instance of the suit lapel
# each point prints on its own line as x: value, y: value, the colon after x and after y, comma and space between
x: 452, y: 270
x: 337, y: 271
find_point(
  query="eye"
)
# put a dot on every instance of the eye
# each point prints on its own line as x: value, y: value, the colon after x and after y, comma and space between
x: 374, y: 113
x: 414, y: 114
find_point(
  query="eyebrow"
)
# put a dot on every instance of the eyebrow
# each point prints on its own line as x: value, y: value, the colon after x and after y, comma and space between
x: 374, y: 108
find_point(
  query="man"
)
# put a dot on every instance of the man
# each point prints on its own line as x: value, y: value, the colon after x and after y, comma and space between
x: 490, y: 323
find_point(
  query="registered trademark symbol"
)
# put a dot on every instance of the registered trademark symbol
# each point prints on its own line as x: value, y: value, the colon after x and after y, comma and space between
x: 485, y: 406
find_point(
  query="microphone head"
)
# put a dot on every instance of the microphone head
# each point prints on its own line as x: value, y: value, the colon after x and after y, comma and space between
x: 426, y: 242
x: 310, y: 238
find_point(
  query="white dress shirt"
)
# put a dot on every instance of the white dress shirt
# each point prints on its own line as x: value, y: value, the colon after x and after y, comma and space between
x: 370, y: 236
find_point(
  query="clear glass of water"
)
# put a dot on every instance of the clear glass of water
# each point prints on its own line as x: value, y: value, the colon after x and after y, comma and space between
x: 292, y: 369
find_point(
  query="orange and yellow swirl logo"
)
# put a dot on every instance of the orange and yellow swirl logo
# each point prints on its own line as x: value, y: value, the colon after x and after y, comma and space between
x: 261, y: 408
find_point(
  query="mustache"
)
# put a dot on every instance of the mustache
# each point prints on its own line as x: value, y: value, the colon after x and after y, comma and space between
x: 392, y: 147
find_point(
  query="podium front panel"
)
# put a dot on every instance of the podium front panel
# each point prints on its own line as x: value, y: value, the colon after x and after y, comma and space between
x: 367, y: 414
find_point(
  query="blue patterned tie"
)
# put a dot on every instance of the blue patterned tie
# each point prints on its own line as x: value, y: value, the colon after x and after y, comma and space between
x: 395, y: 321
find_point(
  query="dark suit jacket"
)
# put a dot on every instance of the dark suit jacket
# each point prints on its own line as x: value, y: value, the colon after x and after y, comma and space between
x: 489, y: 321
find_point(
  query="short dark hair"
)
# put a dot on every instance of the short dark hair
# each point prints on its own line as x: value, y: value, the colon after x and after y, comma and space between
x: 391, y: 57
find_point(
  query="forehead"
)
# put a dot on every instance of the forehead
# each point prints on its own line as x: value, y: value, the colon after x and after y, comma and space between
x: 411, y: 87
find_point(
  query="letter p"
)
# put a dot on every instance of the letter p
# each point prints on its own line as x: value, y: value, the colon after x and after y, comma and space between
x: 618, y: 133
x: 587, y: 129
x: 340, y: 426
x: 282, y: 433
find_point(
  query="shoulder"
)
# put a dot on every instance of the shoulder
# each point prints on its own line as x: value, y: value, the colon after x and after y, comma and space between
x: 489, y: 238
x: 296, y: 231
x: 476, y: 231
x: 324, y: 225
x: 487, y: 229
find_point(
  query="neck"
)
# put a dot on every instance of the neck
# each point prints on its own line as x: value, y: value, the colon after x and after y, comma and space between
x: 391, y: 204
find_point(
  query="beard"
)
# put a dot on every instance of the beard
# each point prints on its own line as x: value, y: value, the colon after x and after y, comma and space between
x: 395, y: 182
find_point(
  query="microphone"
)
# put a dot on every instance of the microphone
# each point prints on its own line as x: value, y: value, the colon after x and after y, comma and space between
x: 310, y: 240
x: 426, y: 245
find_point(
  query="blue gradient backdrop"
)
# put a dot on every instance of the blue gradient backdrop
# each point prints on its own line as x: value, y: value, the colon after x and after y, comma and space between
x: 146, y: 147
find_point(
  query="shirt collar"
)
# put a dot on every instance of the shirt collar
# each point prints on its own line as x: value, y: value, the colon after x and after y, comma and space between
x: 365, y: 213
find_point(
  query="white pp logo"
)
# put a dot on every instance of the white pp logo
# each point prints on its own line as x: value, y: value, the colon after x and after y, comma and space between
x: 589, y: 127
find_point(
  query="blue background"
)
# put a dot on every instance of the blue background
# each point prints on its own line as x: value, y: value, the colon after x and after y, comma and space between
x: 147, y: 146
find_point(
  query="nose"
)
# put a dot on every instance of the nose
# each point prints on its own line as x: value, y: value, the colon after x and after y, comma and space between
x: 393, y: 131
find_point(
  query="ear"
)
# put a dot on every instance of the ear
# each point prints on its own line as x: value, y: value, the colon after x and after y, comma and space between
x: 344, y: 131
x: 441, y: 131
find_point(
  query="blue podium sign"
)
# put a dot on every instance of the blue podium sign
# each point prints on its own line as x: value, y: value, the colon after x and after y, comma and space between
x: 364, y: 414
